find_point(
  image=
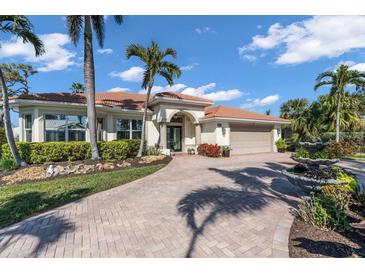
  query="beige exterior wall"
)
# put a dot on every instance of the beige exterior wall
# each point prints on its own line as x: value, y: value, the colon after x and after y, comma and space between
x: 208, y: 133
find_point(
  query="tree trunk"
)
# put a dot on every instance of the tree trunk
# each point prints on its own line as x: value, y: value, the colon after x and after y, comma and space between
x: 141, y: 145
x: 7, y: 123
x: 89, y: 77
x: 338, y: 118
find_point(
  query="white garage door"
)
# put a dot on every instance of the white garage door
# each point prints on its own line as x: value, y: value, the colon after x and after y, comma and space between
x: 246, y: 139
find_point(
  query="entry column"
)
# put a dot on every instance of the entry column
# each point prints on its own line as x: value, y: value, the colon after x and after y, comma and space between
x: 197, y: 134
x: 163, y: 135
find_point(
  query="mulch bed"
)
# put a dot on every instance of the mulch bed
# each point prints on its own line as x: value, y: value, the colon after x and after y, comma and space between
x: 307, y: 241
x: 134, y: 162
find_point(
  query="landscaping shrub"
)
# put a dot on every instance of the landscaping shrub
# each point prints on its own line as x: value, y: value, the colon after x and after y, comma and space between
x: 38, y: 153
x: 209, y: 150
x: 7, y: 165
x: 152, y: 151
x: 302, y: 153
x: 281, y: 145
x: 342, y: 148
x: 327, y: 209
x: 343, y: 176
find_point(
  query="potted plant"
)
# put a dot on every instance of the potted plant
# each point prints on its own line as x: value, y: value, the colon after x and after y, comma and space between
x: 281, y: 145
x: 226, y: 151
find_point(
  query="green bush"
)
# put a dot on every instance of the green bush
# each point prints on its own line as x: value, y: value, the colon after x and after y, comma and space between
x: 38, y: 153
x: 342, y: 148
x: 151, y: 151
x: 7, y: 165
x: 343, y: 176
x: 302, y: 153
x: 281, y: 145
x: 327, y: 209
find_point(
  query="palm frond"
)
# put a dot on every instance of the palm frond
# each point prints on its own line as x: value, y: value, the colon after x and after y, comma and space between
x: 137, y: 50
x: 118, y: 19
x: 325, y: 74
x: 20, y: 26
x: 99, y: 28
x: 74, y: 26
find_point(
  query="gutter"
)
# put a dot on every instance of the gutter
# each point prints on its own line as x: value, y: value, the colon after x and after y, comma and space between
x: 26, y: 102
x: 224, y: 119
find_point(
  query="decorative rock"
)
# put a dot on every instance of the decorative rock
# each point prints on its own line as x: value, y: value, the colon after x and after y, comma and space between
x: 315, y: 162
x: 308, y: 184
x: 124, y: 164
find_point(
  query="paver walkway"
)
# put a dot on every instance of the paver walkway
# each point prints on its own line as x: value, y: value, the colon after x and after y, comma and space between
x: 194, y: 207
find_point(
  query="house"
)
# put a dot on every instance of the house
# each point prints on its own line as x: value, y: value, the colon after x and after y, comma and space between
x: 175, y: 121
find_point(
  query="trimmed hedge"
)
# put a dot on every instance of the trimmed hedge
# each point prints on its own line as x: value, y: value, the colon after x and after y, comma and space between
x: 43, y: 152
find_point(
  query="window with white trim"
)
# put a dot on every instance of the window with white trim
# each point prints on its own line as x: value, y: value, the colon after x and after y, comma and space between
x: 27, y: 127
x: 60, y: 127
x: 129, y: 129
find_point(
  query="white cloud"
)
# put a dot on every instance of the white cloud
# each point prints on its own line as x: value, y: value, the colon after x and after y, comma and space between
x: 359, y: 67
x: 106, y: 51
x: 189, y: 67
x: 220, y: 95
x: 249, y: 57
x: 118, y: 89
x: 260, y: 102
x: 311, y: 39
x: 134, y: 74
x: 56, y: 56
x: 204, y: 30
x: 156, y: 89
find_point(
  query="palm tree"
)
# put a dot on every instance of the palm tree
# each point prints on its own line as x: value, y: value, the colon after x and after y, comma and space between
x: 293, y: 108
x: 77, y: 87
x: 21, y: 27
x: 153, y: 59
x: 75, y: 24
x: 338, y: 80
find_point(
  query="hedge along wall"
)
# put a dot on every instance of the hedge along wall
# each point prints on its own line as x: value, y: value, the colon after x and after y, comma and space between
x: 43, y: 152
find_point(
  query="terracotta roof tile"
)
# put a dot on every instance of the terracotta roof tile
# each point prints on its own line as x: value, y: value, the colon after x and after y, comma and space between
x: 228, y: 112
x: 121, y: 99
x: 175, y: 95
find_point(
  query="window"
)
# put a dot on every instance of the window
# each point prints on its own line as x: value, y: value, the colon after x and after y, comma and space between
x: 28, y: 127
x: 60, y: 127
x: 129, y: 129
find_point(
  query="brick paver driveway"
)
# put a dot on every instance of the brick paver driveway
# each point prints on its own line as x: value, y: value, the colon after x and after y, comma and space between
x: 194, y: 207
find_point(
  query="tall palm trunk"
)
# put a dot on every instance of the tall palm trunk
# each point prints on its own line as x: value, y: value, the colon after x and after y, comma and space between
x: 141, y: 145
x: 89, y: 77
x: 338, y: 111
x: 7, y: 123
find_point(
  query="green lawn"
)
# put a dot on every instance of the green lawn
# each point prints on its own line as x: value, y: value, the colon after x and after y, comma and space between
x: 20, y: 201
x: 359, y: 156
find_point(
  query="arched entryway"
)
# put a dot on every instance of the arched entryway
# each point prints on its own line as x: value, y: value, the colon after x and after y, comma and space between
x: 180, y: 132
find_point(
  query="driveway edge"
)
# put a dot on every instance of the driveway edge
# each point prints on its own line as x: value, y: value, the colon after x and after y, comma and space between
x: 280, y: 246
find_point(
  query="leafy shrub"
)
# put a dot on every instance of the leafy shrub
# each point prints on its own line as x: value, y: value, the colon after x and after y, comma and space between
x: 302, y: 153
x: 327, y: 209
x: 343, y: 176
x: 38, y: 153
x: 209, y: 150
x: 152, y: 151
x: 281, y: 145
x: 7, y: 164
x: 342, y: 148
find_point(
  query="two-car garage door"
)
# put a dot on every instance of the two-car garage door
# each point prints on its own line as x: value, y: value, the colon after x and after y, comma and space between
x: 249, y: 139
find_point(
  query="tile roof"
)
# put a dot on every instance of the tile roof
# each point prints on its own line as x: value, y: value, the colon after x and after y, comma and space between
x: 175, y: 95
x: 126, y: 100
x: 228, y: 112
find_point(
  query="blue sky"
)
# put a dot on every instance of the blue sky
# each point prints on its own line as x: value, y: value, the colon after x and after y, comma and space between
x: 250, y: 62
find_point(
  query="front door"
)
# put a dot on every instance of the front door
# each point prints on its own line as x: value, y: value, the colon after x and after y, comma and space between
x: 174, y: 138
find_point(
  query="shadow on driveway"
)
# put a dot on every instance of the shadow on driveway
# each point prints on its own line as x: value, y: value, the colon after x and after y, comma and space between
x: 252, y: 195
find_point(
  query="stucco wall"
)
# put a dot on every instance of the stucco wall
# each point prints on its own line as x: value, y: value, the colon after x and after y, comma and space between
x: 276, y: 132
x: 208, y: 133
x: 109, y: 130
